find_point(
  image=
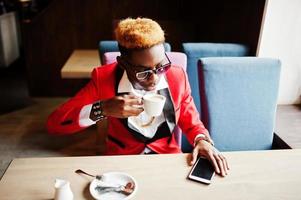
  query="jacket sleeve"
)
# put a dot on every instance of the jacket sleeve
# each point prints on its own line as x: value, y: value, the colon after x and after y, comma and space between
x: 65, y: 119
x: 189, y: 120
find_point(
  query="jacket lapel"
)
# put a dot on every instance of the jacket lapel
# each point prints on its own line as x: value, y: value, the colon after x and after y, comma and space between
x: 168, y: 110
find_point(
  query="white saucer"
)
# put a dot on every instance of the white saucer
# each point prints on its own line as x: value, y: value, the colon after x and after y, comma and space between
x: 113, y: 178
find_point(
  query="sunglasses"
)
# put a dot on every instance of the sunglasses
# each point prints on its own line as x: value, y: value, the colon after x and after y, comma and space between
x: 160, y: 69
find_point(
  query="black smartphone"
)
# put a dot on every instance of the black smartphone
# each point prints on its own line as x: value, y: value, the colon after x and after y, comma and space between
x: 202, y: 171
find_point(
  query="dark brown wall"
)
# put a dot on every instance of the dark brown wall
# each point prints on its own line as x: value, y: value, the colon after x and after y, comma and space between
x: 65, y: 25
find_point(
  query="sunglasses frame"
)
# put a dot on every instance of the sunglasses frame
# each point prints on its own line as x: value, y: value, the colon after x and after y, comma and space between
x: 148, y: 72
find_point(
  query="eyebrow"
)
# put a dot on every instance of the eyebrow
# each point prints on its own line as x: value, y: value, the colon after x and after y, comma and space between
x: 144, y: 67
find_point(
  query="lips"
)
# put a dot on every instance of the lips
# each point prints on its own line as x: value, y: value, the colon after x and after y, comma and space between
x: 149, y: 87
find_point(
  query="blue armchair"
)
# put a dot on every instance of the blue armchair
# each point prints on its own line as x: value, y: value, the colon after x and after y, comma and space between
x: 239, y: 99
x: 194, y: 51
x: 112, y: 46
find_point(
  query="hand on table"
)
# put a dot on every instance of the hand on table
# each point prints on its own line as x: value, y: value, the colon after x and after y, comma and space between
x: 205, y: 149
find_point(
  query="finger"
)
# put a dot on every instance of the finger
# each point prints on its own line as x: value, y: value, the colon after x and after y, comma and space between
x: 213, y: 161
x: 222, y: 159
x: 220, y: 164
x: 130, y: 96
x: 136, y: 101
x: 194, y: 155
x: 132, y: 111
x: 132, y: 100
x: 226, y: 167
x: 136, y: 112
x: 224, y: 163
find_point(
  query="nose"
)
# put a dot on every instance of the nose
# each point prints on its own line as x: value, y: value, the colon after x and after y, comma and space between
x: 153, y: 78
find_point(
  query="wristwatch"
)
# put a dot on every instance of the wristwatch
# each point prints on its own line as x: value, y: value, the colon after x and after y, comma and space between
x: 204, y: 137
x: 96, y: 113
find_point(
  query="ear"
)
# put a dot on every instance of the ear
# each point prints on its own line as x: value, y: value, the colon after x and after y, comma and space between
x: 120, y: 62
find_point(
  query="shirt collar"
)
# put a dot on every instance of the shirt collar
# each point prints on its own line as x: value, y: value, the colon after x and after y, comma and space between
x: 126, y: 86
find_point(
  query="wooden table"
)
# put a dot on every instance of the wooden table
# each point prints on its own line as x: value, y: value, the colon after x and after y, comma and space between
x: 80, y: 64
x: 254, y: 175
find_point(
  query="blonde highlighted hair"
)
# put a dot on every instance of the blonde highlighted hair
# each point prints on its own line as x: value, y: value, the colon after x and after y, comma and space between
x: 140, y: 33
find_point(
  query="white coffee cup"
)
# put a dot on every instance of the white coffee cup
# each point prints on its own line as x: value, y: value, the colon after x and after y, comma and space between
x: 153, y: 104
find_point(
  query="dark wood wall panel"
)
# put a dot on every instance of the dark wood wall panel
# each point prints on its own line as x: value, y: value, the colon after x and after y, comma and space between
x: 65, y: 25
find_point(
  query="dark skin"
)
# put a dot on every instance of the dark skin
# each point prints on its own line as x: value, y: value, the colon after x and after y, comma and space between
x: 125, y: 106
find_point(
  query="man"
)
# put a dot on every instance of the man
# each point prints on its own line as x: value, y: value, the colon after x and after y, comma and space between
x: 115, y: 94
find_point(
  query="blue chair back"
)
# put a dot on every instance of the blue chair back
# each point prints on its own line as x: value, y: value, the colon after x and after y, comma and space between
x: 194, y: 51
x: 112, y: 46
x: 239, y: 99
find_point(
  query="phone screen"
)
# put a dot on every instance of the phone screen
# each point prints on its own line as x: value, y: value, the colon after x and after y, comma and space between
x: 203, y: 169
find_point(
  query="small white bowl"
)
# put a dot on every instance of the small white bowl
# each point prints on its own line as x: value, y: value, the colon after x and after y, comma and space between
x: 113, y: 178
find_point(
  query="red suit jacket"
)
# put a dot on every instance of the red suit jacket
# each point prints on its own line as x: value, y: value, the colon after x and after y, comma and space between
x: 182, y: 112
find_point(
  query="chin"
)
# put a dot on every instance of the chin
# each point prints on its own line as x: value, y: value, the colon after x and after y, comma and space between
x: 150, y: 88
